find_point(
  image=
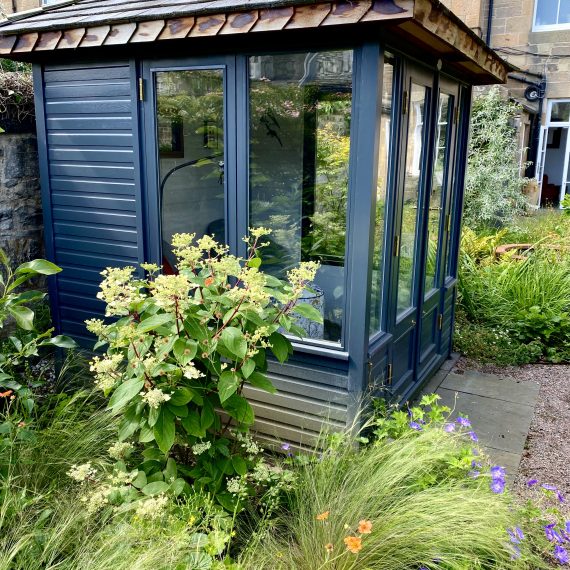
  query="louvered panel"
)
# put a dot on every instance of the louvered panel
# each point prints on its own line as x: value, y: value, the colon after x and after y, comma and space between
x: 94, y: 182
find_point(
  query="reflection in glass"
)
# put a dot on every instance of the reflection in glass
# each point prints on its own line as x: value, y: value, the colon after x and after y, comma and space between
x: 414, y: 153
x: 300, y: 109
x: 381, y: 192
x: 435, y: 200
x: 560, y: 111
x: 190, y: 111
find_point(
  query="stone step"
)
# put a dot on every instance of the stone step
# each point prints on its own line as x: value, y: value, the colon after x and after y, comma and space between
x: 492, y: 386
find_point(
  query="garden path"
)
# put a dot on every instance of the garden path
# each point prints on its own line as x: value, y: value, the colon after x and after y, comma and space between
x: 500, y: 409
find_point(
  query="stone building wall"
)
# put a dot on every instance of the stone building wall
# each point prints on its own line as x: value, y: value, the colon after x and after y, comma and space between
x: 21, y: 224
x: 11, y: 6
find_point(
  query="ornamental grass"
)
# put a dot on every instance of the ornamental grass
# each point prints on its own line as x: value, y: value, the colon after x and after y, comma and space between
x: 394, y: 505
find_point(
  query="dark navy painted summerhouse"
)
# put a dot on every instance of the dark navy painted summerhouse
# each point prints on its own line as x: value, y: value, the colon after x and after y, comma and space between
x: 341, y: 126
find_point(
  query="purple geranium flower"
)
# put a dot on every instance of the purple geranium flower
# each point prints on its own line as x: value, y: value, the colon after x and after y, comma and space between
x: 449, y: 428
x: 474, y: 473
x: 532, y: 482
x: 473, y: 436
x: 519, y: 533
x: 561, y: 554
x: 286, y: 446
x: 560, y: 496
x: 498, y: 472
x: 463, y: 421
x: 497, y: 486
x: 567, y: 526
x: 516, y: 552
x: 552, y: 534
x: 516, y: 535
x: 416, y: 426
x: 476, y: 464
x: 549, y: 487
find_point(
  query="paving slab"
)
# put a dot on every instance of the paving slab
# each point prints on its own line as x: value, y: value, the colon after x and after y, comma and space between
x: 499, y: 424
x: 510, y: 461
x: 491, y: 386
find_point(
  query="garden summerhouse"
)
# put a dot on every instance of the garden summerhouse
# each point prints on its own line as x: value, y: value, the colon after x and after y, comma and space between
x: 342, y: 126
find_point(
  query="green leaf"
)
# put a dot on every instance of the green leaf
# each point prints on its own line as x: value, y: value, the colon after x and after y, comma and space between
x: 171, y: 471
x: 62, y: 341
x: 41, y: 266
x: 185, y: 350
x: 247, y: 368
x: 154, y: 322
x: 178, y: 411
x: 180, y: 397
x: 177, y: 486
x: 125, y: 393
x: 239, y: 409
x: 239, y: 465
x: 280, y: 346
x: 140, y: 480
x: 23, y: 316
x: 234, y: 341
x: 207, y: 416
x: 308, y: 311
x: 227, y: 385
x: 254, y: 262
x: 165, y: 430
x: 155, y: 488
x: 261, y: 381
x: 192, y: 425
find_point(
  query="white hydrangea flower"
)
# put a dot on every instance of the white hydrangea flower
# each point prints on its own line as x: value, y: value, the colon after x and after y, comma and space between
x: 155, y: 397
x: 106, y: 370
x: 120, y: 450
x: 119, y: 290
x: 82, y: 472
x: 201, y: 447
x: 191, y: 372
x: 152, y: 508
x: 98, y: 499
x: 236, y: 486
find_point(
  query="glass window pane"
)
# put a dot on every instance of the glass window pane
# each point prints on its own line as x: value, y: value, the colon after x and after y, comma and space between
x: 300, y: 109
x: 546, y: 12
x: 190, y: 122
x: 381, y: 191
x: 435, y: 218
x: 560, y: 111
x: 564, y: 12
x: 414, y: 153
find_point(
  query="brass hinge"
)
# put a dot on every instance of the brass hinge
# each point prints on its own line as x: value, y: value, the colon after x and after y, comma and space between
x: 456, y: 115
x: 396, y: 245
x: 440, y: 321
x: 448, y: 223
x: 405, y: 103
x: 141, y: 89
x: 389, y: 370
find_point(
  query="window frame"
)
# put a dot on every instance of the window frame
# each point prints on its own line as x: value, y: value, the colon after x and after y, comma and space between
x: 547, y: 27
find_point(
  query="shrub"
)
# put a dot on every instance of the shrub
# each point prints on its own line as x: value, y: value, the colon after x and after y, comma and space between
x: 493, y: 187
x: 182, y: 350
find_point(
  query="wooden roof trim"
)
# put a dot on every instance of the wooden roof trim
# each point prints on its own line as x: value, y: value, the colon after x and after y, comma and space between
x: 428, y: 16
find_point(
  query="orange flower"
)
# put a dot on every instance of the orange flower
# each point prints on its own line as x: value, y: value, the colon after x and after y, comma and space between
x: 353, y: 543
x: 209, y: 281
x: 5, y: 394
x: 329, y: 547
x: 365, y: 527
x: 323, y: 516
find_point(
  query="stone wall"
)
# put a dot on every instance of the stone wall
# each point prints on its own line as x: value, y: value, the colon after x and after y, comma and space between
x: 11, y: 6
x: 21, y: 224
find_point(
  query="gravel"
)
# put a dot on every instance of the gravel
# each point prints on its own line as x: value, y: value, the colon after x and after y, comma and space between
x: 547, y: 453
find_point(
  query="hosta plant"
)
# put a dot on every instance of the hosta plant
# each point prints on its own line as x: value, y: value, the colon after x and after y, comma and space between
x: 182, y: 349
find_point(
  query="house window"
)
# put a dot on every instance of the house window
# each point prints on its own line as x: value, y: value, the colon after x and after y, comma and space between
x: 300, y: 113
x: 551, y: 14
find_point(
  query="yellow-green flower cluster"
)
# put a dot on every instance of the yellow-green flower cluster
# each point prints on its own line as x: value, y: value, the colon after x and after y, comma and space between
x: 300, y: 276
x: 155, y: 397
x: 253, y: 288
x: 191, y: 372
x: 170, y: 292
x: 121, y: 450
x: 152, y: 508
x: 106, y: 371
x: 119, y: 290
x: 201, y: 447
x: 82, y: 473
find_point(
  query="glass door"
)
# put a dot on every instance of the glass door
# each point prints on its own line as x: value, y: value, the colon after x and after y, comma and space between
x: 438, y: 225
x: 187, y: 109
x: 407, y: 250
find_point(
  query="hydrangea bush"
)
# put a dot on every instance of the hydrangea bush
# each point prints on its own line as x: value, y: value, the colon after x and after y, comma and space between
x: 182, y: 348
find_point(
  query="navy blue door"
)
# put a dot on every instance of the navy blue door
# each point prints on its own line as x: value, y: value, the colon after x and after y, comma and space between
x: 437, y: 225
x: 408, y: 247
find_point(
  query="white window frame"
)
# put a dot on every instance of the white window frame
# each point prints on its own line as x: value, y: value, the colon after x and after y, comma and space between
x: 547, y: 27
